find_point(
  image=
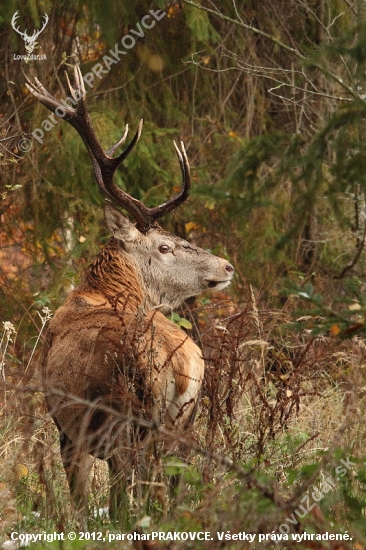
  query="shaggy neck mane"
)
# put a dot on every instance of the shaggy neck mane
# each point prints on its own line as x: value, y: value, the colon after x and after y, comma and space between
x: 113, y: 275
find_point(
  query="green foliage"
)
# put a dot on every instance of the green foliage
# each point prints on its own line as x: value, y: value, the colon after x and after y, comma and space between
x: 180, y: 321
x: 200, y: 26
x: 345, y: 319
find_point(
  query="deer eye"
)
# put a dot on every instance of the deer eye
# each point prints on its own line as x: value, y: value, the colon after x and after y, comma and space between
x: 164, y: 249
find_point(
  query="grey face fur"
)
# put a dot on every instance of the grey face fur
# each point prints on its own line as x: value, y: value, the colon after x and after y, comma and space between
x: 170, y: 268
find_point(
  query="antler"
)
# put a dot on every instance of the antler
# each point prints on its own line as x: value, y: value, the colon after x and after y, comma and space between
x: 104, y: 165
x: 37, y: 33
x: 24, y: 34
x: 13, y: 21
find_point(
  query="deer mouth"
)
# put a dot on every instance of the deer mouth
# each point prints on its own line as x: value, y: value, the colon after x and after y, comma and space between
x: 219, y: 284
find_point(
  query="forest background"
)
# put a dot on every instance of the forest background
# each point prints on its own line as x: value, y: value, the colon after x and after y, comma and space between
x: 269, y: 99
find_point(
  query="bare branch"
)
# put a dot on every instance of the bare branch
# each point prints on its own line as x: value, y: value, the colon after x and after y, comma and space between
x: 294, y: 51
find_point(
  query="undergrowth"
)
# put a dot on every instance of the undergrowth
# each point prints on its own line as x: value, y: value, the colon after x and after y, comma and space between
x: 277, y: 446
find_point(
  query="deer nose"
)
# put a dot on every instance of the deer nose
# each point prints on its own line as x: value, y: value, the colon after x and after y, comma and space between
x: 229, y: 268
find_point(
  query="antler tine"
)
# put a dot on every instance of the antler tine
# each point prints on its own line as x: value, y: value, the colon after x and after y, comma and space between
x: 184, y: 165
x: 79, y: 81
x: 70, y: 87
x: 40, y: 92
x: 162, y: 209
x: 118, y: 143
x: 132, y: 144
x: 13, y: 22
x: 121, y: 141
x: 79, y: 86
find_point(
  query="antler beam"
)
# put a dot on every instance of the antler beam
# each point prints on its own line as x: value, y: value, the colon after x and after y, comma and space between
x: 104, y: 165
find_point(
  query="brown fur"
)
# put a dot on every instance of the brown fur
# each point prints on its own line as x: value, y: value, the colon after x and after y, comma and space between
x: 114, y: 277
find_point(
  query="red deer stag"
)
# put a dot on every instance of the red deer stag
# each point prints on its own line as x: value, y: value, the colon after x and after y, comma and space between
x: 110, y: 356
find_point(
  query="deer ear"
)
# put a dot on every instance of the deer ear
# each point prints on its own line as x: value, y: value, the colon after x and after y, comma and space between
x: 120, y: 226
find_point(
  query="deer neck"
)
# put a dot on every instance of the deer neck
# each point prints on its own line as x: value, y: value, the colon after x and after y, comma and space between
x: 112, y: 280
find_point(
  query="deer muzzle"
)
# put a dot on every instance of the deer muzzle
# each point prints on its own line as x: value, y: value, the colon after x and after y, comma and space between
x: 221, y: 281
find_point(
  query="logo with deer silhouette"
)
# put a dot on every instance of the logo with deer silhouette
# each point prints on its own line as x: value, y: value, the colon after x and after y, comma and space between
x: 30, y: 41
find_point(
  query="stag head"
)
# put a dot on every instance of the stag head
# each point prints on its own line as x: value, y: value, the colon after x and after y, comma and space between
x: 30, y: 41
x: 169, y: 268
